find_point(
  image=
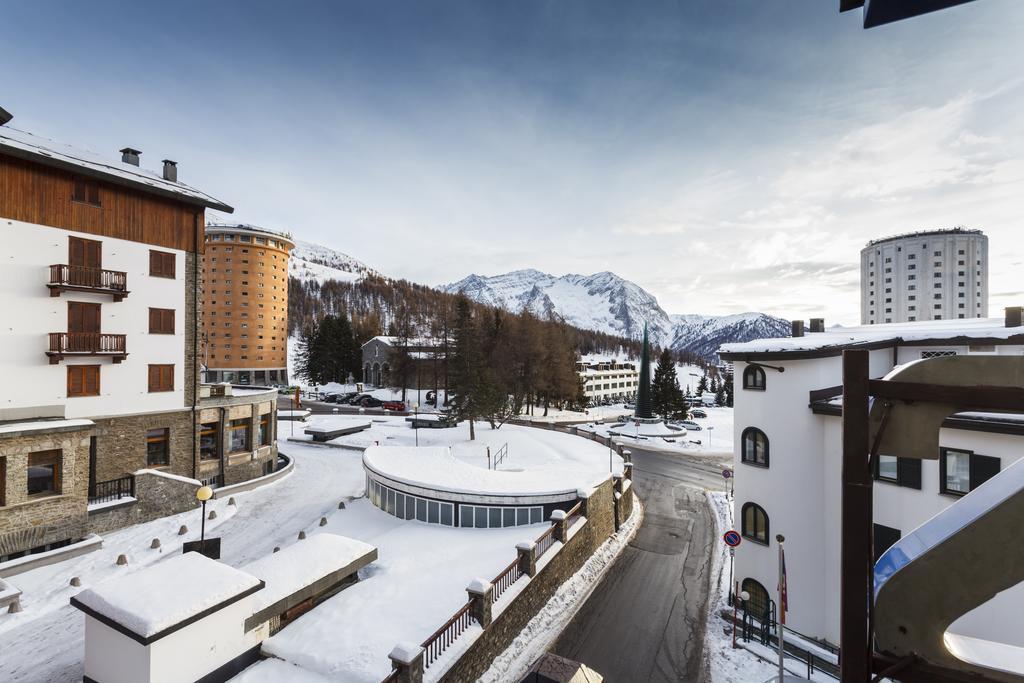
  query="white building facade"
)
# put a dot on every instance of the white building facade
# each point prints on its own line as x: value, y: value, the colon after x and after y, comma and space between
x: 928, y: 275
x: 787, y: 458
x: 608, y: 379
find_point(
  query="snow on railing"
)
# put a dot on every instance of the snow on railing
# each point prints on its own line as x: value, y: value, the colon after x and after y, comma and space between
x: 546, y: 540
x: 436, y: 644
x: 574, y: 514
x: 505, y: 579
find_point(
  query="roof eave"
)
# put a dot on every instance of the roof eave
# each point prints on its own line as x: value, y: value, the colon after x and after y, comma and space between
x: 113, y: 179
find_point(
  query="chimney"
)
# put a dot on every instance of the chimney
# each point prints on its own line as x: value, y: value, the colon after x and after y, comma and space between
x: 1013, y: 316
x: 817, y: 324
x: 798, y: 328
x: 171, y: 170
x: 130, y: 156
x: 5, y: 116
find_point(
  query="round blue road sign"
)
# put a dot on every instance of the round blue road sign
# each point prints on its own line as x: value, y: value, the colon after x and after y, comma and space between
x: 731, y: 538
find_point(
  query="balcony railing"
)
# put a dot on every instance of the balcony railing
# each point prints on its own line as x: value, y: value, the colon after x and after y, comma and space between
x: 81, y: 279
x: 86, y: 344
x: 114, y: 489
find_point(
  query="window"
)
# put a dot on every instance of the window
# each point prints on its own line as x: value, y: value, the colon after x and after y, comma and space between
x: 209, y: 441
x: 161, y: 264
x: 937, y: 354
x: 239, y: 436
x: 161, y: 321
x: 755, y: 523
x: 161, y: 378
x: 83, y: 380
x: 755, y: 447
x: 753, y: 378
x: 885, y: 537
x: 44, y: 473
x: 86, y: 191
x: 900, y: 471
x: 264, y: 435
x: 759, y: 603
x: 962, y: 471
x: 158, y: 447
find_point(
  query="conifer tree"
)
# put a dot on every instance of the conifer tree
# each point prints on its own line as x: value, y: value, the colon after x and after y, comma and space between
x: 465, y: 366
x: 702, y: 384
x: 666, y: 397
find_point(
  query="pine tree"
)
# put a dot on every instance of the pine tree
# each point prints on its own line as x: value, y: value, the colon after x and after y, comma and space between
x: 702, y: 384
x: 713, y: 387
x: 728, y: 390
x: 304, y: 362
x: 465, y: 366
x: 666, y: 397
x: 720, y: 396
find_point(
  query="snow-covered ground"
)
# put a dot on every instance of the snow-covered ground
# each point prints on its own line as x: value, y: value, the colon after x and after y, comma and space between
x: 713, y: 439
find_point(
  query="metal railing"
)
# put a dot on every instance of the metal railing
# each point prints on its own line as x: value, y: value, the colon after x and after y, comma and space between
x: 86, y: 342
x: 392, y: 677
x: 81, y: 276
x: 546, y: 540
x: 436, y: 644
x: 574, y: 514
x: 114, y: 489
x: 505, y: 579
x: 501, y: 455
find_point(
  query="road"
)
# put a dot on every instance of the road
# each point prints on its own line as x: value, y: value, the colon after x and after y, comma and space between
x: 645, y: 620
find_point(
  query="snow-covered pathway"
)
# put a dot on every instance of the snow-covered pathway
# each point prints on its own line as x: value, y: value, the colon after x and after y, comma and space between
x: 45, y: 642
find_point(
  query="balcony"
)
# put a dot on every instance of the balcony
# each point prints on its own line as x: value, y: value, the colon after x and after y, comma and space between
x: 65, y: 278
x: 65, y: 344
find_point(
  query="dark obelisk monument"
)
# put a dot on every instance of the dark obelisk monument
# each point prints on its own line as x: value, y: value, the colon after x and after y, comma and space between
x: 644, y: 407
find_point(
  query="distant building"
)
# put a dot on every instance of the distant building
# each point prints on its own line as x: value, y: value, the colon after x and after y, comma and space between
x: 788, y: 455
x: 245, y: 305
x: 929, y: 275
x: 429, y: 362
x: 608, y: 379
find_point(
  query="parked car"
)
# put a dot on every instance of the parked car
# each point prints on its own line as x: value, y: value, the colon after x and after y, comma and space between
x: 330, y: 398
x: 355, y: 399
x: 393, y: 405
x: 697, y: 412
x: 370, y: 402
x: 690, y: 425
x: 342, y: 397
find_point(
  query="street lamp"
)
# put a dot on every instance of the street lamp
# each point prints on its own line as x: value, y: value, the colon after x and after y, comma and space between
x: 204, y: 494
x: 416, y: 421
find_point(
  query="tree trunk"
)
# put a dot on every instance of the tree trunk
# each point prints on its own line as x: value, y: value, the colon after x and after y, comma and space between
x: 472, y: 431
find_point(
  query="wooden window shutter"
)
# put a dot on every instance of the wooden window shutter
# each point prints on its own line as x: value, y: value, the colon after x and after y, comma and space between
x: 154, y: 262
x: 154, y: 320
x: 92, y: 380
x: 983, y: 468
x: 908, y: 472
x: 75, y: 384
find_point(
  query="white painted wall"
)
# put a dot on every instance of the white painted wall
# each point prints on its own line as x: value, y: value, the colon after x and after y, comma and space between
x: 26, y: 252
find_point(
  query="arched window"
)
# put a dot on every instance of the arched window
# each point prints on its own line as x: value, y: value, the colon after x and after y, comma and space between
x: 759, y: 601
x: 753, y: 378
x: 755, y: 523
x: 754, y: 447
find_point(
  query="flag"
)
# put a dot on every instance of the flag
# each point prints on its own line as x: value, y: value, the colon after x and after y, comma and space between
x: 783, y: 587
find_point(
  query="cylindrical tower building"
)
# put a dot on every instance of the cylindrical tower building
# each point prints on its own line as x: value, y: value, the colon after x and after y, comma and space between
x: 245, y: 305
x: 928, y: 275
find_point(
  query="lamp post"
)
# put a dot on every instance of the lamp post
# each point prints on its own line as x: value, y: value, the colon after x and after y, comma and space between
x: 416, y: 421
x: 202, y: 495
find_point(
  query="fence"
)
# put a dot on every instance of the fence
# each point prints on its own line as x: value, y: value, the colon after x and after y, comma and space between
x: 446, y: 635
x: 86, y: 342
x: 501, y: 455
x: 505, y: 579
x: 80, y: 276
x: 546, y: 540
x: 574, y: 514
x: 114, y: 489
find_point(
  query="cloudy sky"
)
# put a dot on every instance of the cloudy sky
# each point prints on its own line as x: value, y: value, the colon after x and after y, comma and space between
x: 726, y: 156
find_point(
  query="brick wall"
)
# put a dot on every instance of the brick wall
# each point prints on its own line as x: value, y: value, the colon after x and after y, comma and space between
x: 156, y: 496
x: 25, y: 522
x: 506, y: 627
x: 121, y: 443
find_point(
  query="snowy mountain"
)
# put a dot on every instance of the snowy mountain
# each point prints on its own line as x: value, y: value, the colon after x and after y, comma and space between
x: 316, y: 262
x: 604, y: 301
x: 608, y: 303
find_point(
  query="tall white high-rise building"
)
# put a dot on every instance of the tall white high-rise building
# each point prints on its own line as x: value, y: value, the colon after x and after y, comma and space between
x: 928, y: 275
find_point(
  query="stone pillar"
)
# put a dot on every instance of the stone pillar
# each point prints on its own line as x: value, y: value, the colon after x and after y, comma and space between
x: 627, y: 471
x: 558, y: 519
x: 617, y: 482
x: 480, y: 595
x: 407, y: 659
x: 527, y: 551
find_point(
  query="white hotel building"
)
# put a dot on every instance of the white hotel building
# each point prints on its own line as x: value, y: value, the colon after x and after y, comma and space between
x: 607, y: 379
x: 787, y: 453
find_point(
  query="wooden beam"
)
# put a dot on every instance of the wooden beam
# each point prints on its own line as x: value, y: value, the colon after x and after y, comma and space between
x: 975, y: 398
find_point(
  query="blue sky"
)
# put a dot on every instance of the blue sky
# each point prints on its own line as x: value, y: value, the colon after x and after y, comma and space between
x: 727, y: 156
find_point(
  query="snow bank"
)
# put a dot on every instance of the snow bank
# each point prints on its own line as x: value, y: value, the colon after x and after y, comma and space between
x: 167, y: 593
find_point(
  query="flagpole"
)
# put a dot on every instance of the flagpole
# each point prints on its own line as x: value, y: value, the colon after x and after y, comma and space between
x: 783, y: 592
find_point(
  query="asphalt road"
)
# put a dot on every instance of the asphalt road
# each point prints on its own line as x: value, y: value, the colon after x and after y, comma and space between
x: 645, y: 620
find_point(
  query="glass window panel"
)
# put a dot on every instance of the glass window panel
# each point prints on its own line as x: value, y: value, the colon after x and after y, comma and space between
x: 421, y: 509
x: 399, y: 505
x: 958, y: 471
x: 480, y: 518
x: 391, y: 502
x: 522, y: 516
x: 465, y: 515
x: 887, y: 467
x: 432, y: 511
x: 508, y: 517
x: 410, y: 507
x: 536, y: 515
x: 494, y: 518
x: 446, y: 514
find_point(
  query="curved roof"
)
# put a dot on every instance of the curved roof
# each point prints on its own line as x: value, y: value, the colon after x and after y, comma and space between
x: 925, y: 233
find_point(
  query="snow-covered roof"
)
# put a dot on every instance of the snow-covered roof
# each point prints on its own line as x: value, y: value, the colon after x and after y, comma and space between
x: 433, y: 467
x: 163, y: 595
x: 22, y: 427
x: 303, y: 564
x: 215, y: 223
x: 413, y: 342
x: 25, y: 145
x: 925, y: 331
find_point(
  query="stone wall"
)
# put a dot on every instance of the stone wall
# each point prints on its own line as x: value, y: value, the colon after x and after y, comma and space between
x: 27, y: 523
x: 121, y: 443
x: 599, y: 510
x: 156, y: 496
